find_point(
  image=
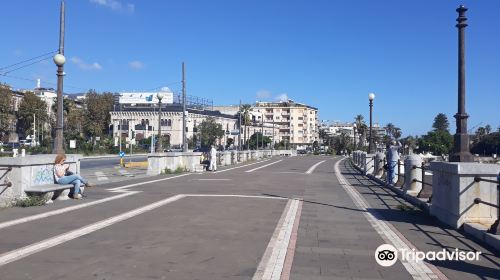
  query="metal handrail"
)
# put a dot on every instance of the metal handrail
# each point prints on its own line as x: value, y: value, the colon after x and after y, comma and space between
x: 8, y: 184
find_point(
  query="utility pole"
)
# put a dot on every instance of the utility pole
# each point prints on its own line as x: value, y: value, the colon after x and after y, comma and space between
x: 184, y: 140
x: 59, y: 60
x: 34, y: 139
x: 239, y: 129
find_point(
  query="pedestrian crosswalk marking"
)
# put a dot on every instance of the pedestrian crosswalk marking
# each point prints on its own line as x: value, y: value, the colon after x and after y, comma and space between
x: 101, y: 176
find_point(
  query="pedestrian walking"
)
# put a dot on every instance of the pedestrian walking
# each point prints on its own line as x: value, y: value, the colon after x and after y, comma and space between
x: 213, y: 158
x: 63, y: 176
x: 392, y: 160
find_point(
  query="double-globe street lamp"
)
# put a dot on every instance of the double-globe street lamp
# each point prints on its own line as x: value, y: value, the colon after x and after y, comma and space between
x: 159, y: 95
x: 371, y: 96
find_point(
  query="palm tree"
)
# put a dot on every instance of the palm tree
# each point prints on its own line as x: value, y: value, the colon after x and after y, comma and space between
x: 361, y: 128
x: 245, y: 118
x: 390, y: 128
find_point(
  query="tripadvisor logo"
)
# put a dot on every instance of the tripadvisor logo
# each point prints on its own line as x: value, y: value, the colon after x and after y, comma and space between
x: 387, y: 255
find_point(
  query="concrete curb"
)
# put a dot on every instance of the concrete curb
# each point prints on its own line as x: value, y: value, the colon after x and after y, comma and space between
x: 480, y: 233
x: 113, y: 156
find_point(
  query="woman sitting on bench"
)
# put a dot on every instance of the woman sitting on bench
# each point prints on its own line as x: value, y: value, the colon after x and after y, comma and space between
x: 63, y: 176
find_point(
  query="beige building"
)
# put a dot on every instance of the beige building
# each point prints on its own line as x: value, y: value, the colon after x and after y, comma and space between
x: 142, y: 122
x: 297, y: 123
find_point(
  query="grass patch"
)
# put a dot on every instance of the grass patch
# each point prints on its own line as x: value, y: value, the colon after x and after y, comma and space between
x: 406, y: 208
x: 180, y: 169
x: 31, y: 201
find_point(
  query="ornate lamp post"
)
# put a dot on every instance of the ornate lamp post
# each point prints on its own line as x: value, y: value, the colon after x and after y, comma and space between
x: 461, y: 151
x: 59, y: 60
x: 371, y: 96
x: 160, y: 95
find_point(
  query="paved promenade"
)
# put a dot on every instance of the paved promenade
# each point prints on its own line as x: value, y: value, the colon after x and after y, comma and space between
x: 310, y: 217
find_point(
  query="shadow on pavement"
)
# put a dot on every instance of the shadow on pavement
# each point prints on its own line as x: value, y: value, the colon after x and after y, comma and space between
x: 315, y: 202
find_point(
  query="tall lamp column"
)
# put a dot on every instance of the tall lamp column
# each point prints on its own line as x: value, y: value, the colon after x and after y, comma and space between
x: 159, y: 147
x: 59, y: 60
x: 371, y: 96
x: 461, y: 151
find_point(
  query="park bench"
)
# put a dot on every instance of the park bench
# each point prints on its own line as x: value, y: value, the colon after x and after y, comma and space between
x: 51, y: 191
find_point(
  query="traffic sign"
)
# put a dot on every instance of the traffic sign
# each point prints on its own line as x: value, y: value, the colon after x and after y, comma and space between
x: 121, y: 154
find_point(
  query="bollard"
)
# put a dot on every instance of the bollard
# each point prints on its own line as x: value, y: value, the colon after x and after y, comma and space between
x: 23, y: 152
x: 379, y: 165
x: 412, y: 187
x: 367, y: 162
x: 14, y: 152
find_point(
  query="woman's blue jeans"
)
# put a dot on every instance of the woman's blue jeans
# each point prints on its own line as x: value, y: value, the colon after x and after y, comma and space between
x: 391, y: 173
x: 75, y: 180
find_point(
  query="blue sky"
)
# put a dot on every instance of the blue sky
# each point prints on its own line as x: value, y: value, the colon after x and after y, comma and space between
x: 328, y: 54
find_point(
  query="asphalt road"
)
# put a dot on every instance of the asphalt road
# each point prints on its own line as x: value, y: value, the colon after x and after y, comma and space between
x: 108, y: 162
x: 298, y: 218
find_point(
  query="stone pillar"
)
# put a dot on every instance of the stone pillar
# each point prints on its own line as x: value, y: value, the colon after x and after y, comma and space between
x: 227, y: 158
x: 454, y: 191
x: 234, y: 160
x: 411, y: 174
x: 379, y: 165
x: 368, y: 163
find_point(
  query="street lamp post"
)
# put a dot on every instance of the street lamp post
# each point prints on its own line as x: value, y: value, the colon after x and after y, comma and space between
x: 371, y: 96
x: 59, y: 60
x: 159, y: 147
x: 461, y: 151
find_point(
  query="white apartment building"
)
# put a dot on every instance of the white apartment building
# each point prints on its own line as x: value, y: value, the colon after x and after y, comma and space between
x: 297, y: 123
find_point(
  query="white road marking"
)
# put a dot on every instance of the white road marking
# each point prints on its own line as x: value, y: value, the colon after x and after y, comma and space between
x: 148, y: 182
x: 54, y: 241
x: 236, y: 195
x: 417, y: 270
x: 240, y: 166
x: 273, y: 260
x: 100, y: 176
x: 64, y: 210
x: 23, y: 252
x: 266, y: 165
x: 214, y: 179
x: 311, y: 169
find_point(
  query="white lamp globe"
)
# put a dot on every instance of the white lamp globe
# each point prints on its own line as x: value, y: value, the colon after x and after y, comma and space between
x: 59, y: 59
x: 160, y: 95
x: 371, y: 96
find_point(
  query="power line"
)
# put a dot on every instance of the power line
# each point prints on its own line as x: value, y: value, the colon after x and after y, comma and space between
x: 24, y: 66
x: 27, y: 60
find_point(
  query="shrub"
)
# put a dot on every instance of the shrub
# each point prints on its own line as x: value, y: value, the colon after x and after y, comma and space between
x: 31, y: 201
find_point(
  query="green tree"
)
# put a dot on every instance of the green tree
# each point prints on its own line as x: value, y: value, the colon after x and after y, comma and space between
x: 210, y: 131
x: 31, y: 105
x: 361, y: 129
x: 438, y: 142
x: 441, y: 123
x: 342, y: 142
x: 97, y: 115
x: 256, y: 140
x: 489, y: 144
x: 488, y: 129
x: 5, y: 110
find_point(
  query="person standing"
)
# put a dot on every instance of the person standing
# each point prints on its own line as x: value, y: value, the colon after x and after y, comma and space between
x: 213, y: 158
x: 392, y: 160
x: 63, y: 176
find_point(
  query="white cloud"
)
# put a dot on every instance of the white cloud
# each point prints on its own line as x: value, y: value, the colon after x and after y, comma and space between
x: 263, y: 94
x: 136, y: 64
x: 85, y: 66
x: 115, y: 5
x: 282, y: 97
